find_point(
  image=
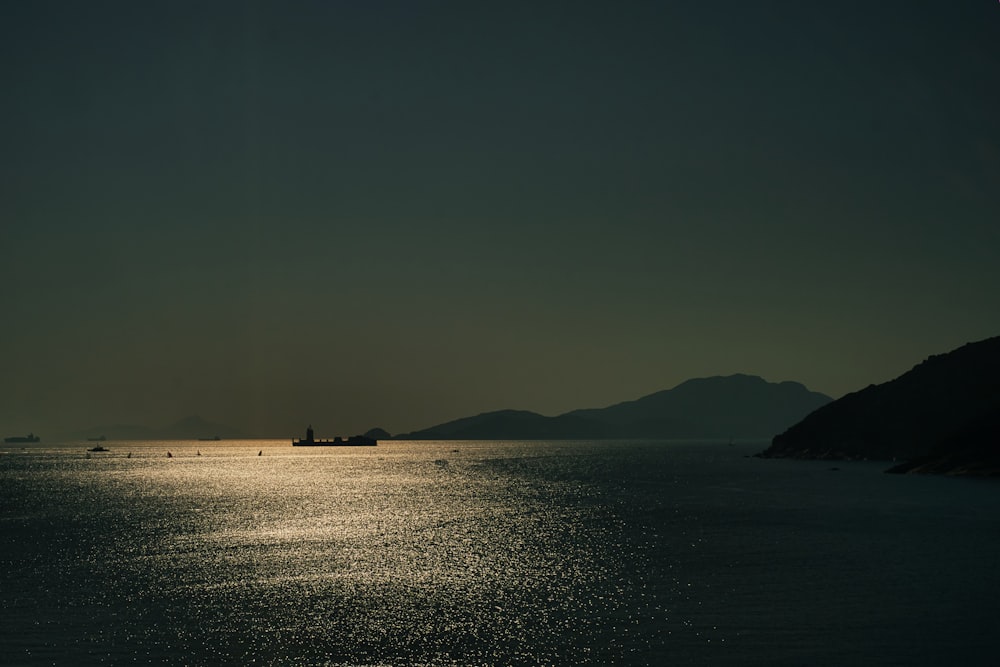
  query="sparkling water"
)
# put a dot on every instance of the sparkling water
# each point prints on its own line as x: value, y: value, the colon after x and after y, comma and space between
x: 488, y: 553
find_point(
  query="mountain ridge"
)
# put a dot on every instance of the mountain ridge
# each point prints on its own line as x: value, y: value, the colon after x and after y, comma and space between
x: 732, y: 406
x: 745, y: 406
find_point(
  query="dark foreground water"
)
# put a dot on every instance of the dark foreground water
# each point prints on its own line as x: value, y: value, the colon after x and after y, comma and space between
x: 488, y: 553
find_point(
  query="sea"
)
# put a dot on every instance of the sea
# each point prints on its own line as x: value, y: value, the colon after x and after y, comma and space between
x: 488, y: 553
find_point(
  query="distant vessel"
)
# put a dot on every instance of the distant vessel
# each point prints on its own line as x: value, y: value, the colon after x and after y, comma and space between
x: 353, y: 441
x: 98, y: 448
x: 31, y: 437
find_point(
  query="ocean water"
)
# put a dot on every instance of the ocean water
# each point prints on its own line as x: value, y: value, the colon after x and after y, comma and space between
x: 488, y: 553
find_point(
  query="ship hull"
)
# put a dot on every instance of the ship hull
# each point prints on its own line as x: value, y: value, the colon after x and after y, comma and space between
x: 356, y: 441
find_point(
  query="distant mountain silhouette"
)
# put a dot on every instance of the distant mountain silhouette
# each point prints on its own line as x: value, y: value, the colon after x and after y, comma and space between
x: 715, y: 407
x: 742, y: 406
x: 509, y: 425
x: 187, y: 428
x: 941, y: 416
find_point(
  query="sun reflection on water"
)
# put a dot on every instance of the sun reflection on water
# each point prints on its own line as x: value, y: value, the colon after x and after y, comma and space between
x: 345, y: 556
x: 546, y: 553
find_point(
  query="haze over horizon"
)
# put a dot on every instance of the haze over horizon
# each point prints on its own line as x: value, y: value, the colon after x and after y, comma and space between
x: 395, y: 214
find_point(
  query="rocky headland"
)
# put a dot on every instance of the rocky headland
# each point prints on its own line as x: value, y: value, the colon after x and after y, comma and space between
x: 942, y: 416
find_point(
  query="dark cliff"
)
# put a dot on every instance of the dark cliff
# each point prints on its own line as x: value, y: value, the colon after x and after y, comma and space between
x: 947, y: 407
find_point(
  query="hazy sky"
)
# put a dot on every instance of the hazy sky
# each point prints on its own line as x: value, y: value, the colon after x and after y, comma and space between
x: 394, y: 214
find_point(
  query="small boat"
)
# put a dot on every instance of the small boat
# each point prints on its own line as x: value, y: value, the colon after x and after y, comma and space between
x: 31, y: 437
x: 98, y: 448
x: 353, y: 441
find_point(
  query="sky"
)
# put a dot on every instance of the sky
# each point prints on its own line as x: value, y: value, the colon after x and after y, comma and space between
x: 395, y: 214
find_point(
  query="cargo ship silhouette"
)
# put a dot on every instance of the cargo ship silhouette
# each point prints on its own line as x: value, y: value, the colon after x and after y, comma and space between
x: 353, y: 441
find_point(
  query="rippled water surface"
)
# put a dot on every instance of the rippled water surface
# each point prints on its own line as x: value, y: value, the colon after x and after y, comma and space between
x: 487, y: 553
